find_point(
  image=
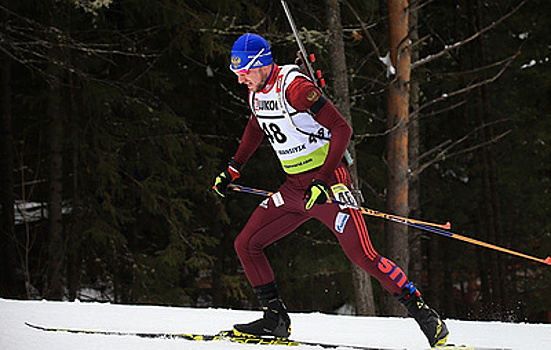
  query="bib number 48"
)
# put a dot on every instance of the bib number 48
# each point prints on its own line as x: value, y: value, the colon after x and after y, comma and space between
x: 273, y: 133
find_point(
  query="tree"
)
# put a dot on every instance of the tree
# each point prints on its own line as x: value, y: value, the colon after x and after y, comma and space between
x: 397, y: 138
x: 473, y: 60
x: 133, y: 155
x: 7, y: 231
x: 362, y: 281
x: 415, y: 269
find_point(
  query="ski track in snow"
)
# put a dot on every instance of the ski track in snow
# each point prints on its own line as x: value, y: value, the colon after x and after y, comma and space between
x: 385, y: 332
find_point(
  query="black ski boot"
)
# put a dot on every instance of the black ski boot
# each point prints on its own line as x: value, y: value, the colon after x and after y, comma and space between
x: 430, y: 322
x: 274, y: 323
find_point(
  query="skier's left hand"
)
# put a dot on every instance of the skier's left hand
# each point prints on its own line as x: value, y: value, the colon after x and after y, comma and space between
x: 316, y: 193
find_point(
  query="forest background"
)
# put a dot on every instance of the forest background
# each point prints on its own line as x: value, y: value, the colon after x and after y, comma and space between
x: 118, y: 114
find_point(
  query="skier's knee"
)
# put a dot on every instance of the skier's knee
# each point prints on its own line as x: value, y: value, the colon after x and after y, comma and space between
x: 241, y: 246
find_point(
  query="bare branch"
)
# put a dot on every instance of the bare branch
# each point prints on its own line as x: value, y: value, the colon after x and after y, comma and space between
x: 436, y: 112
x: 469, y: 87
x: 444, y: 153
x: 417, y: 114
x: 435, y: 149
x: 364, y: 29
x: 29, y: 42
x: 417, y: 5
x: 483, y: 68
x: 467, y: 40
x: 377, y: 195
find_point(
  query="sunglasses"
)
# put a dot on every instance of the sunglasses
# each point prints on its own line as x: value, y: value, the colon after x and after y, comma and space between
x: 245, y: 70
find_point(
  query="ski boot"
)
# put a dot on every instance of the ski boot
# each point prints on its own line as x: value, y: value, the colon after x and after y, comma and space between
x: 275, y: 322
x: 429, y: 321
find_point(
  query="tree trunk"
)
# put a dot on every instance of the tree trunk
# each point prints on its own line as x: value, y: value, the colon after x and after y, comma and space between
x: 74, y: 236
x: 77, y: 222
x: 55, y: 223
x: 397, y: 247
x: 414, y: 188
x: 7, y: 230
x: 365, y: 304
x: 489, y: 205
x: 489, y: 200
x: 56, y: 249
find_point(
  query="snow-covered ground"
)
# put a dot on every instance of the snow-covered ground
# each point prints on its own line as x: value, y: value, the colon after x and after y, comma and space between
x: 352, y: 330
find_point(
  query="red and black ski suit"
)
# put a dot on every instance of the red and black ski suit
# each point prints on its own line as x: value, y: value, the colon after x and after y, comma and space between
x: 282, y: 213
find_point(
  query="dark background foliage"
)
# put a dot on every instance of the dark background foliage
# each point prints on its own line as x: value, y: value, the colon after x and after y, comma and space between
x: 150, y: 114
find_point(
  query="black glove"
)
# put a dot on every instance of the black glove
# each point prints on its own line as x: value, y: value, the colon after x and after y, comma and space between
x: 316, y: 193
x: 226, y: 177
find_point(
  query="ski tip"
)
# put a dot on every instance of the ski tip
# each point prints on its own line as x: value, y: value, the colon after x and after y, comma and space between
x: 547, y: 260
x: 448, y: 225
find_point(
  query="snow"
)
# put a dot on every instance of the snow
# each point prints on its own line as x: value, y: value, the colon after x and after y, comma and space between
x: 528, y: 65
x: 390, y: 70
x: 384, y: 332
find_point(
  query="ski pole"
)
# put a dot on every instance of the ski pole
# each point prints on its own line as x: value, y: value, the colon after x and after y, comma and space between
x: 426, y: 226
x: 480, y: 243
x: 366, y: 211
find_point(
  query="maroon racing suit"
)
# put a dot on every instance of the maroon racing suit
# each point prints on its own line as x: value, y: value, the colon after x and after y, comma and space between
x: 280, y: 214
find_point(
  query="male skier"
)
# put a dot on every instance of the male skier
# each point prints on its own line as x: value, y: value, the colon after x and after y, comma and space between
x: 309, y: 136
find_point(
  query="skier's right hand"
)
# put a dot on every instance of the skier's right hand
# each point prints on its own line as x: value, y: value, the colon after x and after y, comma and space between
x: 226, y: 177
x: 316, y: 193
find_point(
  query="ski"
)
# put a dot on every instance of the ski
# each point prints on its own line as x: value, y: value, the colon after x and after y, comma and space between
x: 465, y: 347
x: 220, y: 336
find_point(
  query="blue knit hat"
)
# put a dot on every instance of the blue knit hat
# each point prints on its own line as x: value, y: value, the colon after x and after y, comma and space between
x: 250, y: 47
